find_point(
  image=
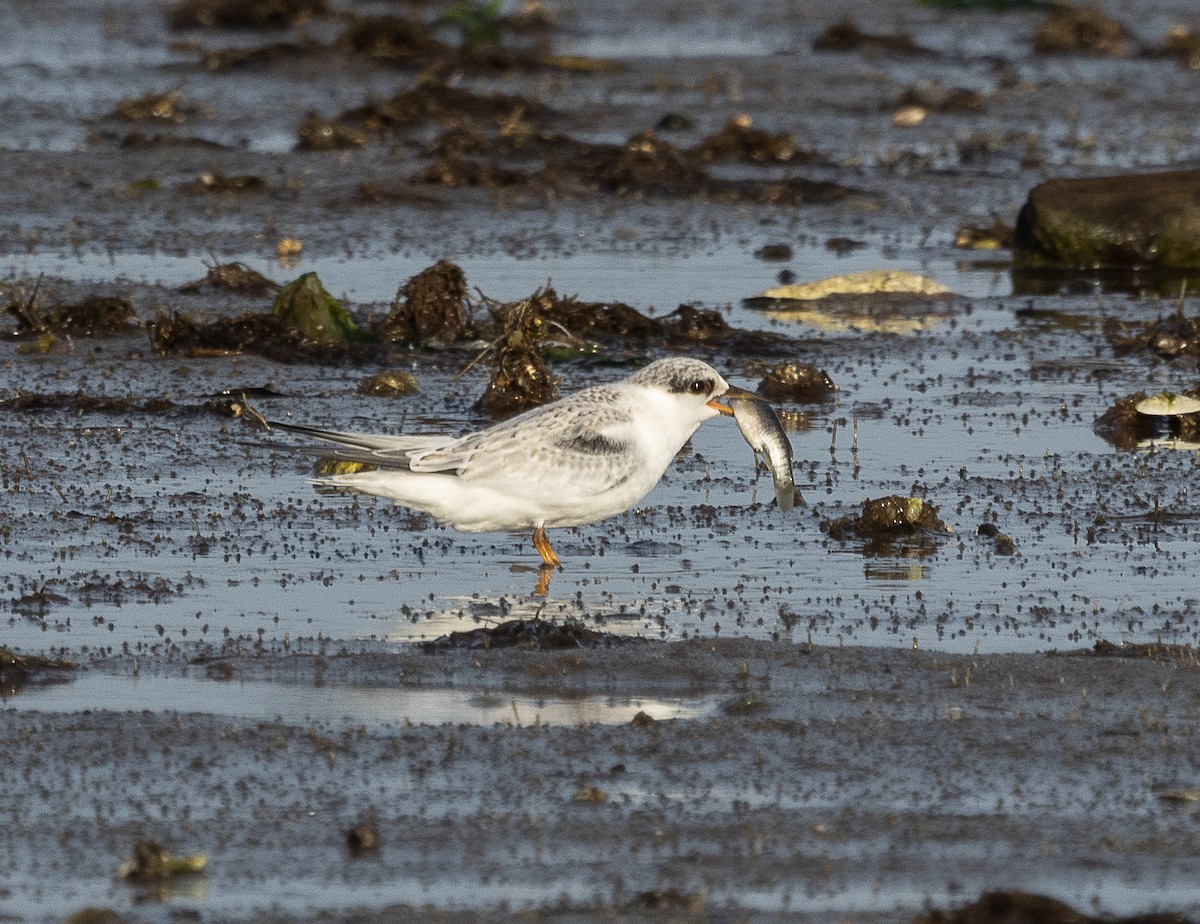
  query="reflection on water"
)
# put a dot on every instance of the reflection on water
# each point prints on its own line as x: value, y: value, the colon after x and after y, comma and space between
x: 294, y: 703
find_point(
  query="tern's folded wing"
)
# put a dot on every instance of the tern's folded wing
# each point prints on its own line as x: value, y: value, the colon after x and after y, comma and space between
x: 584, y: 449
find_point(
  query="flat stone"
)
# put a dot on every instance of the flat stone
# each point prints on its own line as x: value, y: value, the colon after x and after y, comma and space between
x: 1123, y: 221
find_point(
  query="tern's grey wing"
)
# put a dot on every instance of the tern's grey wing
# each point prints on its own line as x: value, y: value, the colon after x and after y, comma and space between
x: 586, y: 446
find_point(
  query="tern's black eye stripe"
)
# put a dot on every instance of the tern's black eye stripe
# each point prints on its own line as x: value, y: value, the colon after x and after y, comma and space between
x: 692, y: 386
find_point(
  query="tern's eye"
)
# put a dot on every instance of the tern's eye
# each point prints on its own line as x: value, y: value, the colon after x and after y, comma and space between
x: 699, y: 387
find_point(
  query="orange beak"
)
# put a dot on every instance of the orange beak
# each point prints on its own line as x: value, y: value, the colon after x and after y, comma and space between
x: 734, y: 394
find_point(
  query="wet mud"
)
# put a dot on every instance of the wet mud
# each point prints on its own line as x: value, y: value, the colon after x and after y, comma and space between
x: 959, y: 684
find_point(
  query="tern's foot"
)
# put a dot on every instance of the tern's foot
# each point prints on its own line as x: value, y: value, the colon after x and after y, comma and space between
x: 545, y: 573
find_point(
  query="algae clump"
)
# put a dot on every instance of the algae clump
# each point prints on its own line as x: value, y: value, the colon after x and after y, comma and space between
x: 305, y: 305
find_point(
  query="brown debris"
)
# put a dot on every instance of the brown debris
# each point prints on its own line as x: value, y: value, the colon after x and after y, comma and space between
x: 738, y: 140
x: 317, y: 134
x: 996, y: 236
x: 140, y: 141
x: 393, y: 38
x: 218, y: 182
x: 454, y: 171
x: 1016, y: 907
x: 434, y: 100
x: 802, y: 383
x: 847, y: 36
x: 163, y: 107
x: 1168, y: 338
x: 645, y: 165
x: 697, y: 325
x: 431, y: 306
x: 886, y: 520
x: 538, y: 634
x: 254, y: 332
x: 236, y: 277
x: 19, y: 670
x: 94, y: 316
x: 1123, y: 427
x: 1155, y: 651
x: 933, y: 97
x: 152, y: 862
x: 244, y: 14
x: 1081, y: 30
x: 520, y: 379
x: 234, y: 59
x: 391, y: 383
x: 1184, y: 44
x: 80, y: 403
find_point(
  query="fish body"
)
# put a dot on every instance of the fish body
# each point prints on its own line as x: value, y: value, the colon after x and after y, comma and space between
x: 762, y: 430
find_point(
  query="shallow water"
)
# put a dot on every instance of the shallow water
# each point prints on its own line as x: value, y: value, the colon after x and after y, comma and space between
x: 295, y: 703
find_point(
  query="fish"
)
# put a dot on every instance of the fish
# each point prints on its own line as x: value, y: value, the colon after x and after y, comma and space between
x: 762, y: 430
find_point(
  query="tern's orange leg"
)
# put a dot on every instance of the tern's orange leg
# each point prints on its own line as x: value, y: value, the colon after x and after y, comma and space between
x: 542, y: 544
x: 545, y: 573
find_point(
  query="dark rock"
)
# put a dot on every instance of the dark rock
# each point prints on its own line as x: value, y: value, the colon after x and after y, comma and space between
x: 774, y: 252
x: 1130, y: 220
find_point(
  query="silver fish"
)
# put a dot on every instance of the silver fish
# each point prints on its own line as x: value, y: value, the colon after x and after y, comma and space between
x: 761, y: 427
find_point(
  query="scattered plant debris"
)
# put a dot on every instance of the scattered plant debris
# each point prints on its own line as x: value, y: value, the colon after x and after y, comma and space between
x: 1003, y: 543
x: 431, y: 307
x: 163, y: 107
x: 847, y: 36
x: 253, y: 332
x: 746, y: 704
x: 392, y: 383
x: 1016, y: 907
x: 802, y: 383
x: 934, y: 97
x: 137, y: 141
x: 738, y: 140
x: 151, y: 862
x: 1172, y: 337
x: 519, y: 379
x: 996, y: 236
x: 886, y: 521
x: 20, y: 670
x: 1156, y: 651
x: 1081, y: 30
x: 1184, y: 44
x: 245, y: 58
x: 538, y: 634
x: 94, y: 316
x: 218, y: 182
x: 236, y: 277
x: 244, y: 14
x: 80, y: 402
x: 317, y: 134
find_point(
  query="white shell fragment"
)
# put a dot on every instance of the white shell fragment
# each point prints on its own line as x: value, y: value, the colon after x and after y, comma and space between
x: 1168, y: 404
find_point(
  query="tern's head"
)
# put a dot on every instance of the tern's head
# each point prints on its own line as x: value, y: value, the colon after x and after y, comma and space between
x: 693, y: 385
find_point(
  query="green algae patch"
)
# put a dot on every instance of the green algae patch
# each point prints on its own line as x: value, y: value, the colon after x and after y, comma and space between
x: 306, y: 306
